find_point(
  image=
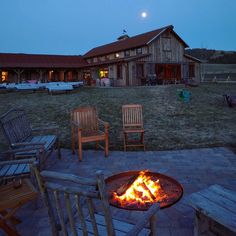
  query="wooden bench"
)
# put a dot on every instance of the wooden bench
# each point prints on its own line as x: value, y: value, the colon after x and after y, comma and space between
x: 215, y: 211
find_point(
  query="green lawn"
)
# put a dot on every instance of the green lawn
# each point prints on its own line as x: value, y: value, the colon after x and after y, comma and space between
x: 169, y: 122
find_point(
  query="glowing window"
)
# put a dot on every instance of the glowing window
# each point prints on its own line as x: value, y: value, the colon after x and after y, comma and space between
x: 4, y: 76
x: 103, y: 73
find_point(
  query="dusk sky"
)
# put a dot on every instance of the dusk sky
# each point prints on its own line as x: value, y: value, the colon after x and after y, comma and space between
x: 73, y: 27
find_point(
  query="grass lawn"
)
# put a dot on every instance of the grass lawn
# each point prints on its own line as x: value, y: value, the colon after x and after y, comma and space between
x: 170, y: 123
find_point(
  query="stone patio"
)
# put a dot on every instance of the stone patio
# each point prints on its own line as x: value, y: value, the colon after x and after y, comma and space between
x: 195, y: 169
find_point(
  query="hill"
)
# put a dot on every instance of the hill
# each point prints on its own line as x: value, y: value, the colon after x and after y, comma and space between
x: 213, y: 56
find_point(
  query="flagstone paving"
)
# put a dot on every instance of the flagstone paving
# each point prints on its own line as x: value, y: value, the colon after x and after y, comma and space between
x: 195, y: 169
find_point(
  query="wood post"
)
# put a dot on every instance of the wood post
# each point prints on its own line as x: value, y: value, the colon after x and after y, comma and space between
x: 62, y: 75
x: 18, y: 72
x: 41, y: 72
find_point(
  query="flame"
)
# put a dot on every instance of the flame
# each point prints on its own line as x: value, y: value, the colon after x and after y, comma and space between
x: 142, y: 191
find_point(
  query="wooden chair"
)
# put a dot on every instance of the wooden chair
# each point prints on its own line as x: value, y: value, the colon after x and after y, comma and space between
x: 20, y: 135
x: 133, y: 124
x: 89, y: 128
x: 72, y: 198
x: 15, y: 190
x: 12, y: 197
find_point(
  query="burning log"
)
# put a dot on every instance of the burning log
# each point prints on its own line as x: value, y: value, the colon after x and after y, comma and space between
x: 148, y: 190
x: 122, y: 189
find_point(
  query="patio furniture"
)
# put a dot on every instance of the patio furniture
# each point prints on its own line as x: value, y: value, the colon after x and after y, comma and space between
x: 15, y: 169
x: 86, y: 195
x: 20, y: 136
x: 89, y: 128
x: 215, y: 211
x: 12, y: 196
x: 55, y: 88
x: 133, y: 124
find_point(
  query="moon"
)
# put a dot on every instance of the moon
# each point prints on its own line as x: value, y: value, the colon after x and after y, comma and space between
x: 144, y: 14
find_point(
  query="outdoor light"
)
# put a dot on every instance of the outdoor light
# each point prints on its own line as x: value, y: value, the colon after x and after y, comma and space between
x: 117, y: 55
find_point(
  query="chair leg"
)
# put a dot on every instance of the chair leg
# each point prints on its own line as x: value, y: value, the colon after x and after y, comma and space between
x: 142, y: 140
x: 73, y: 141
x: 153, y: 225
x: 97, y: 145
x: 7, y: 229
x: 106, y: 145
x: 58, y: 149
x: 125, y: 140
x: 79, y: 146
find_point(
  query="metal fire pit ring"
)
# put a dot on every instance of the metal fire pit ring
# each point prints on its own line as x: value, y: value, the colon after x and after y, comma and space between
x: 170, y: 186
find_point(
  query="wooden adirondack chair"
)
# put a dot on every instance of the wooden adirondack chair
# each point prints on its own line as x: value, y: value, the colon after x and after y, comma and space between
x: 20, y: 135
x: 133, y: 124
x: 89, y: 128
x: 69, y: 198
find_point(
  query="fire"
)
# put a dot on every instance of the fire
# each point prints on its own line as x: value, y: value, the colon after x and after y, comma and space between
x: 142, y: 191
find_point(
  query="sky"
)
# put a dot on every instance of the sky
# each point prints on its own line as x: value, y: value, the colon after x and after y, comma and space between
x: 73, y: 27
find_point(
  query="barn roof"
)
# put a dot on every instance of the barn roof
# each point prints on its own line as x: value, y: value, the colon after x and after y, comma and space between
x: 12, y: 60
x: 132, y: 42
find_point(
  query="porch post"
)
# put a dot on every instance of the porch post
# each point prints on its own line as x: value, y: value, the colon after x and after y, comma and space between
x: 62, y: 75
x: 18, y: 72
x: 41, y: 72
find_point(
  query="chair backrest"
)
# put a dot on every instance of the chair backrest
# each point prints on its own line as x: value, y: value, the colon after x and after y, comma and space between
x: 86, y: 117
x: 132, y: 115
x: 68, y: 197
x: 15, y: 125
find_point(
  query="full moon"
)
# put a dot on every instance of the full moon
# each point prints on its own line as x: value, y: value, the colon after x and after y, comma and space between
x: 144, y: 14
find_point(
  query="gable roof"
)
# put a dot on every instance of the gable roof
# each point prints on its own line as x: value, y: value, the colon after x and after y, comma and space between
x: 132, y: 42
x: 12, y: 60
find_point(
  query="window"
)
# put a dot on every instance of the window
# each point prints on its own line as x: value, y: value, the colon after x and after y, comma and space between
x: 103, y: 73
x: 119, y: 71
x: 127, y: 53
x: 139, y: 51
x: 4, y: 76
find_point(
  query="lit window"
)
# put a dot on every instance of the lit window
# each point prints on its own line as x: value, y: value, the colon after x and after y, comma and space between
x: 103, y: 73
x: 4, y: 76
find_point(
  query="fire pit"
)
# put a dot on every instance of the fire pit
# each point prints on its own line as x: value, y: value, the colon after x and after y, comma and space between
x: 138, y: 190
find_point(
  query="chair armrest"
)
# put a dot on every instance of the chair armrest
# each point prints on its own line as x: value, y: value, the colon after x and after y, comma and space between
x: 144, y: 220
x: 13, y: 151
x: 28, y: 144
x: 21, y: 161
x: 103, y: 123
